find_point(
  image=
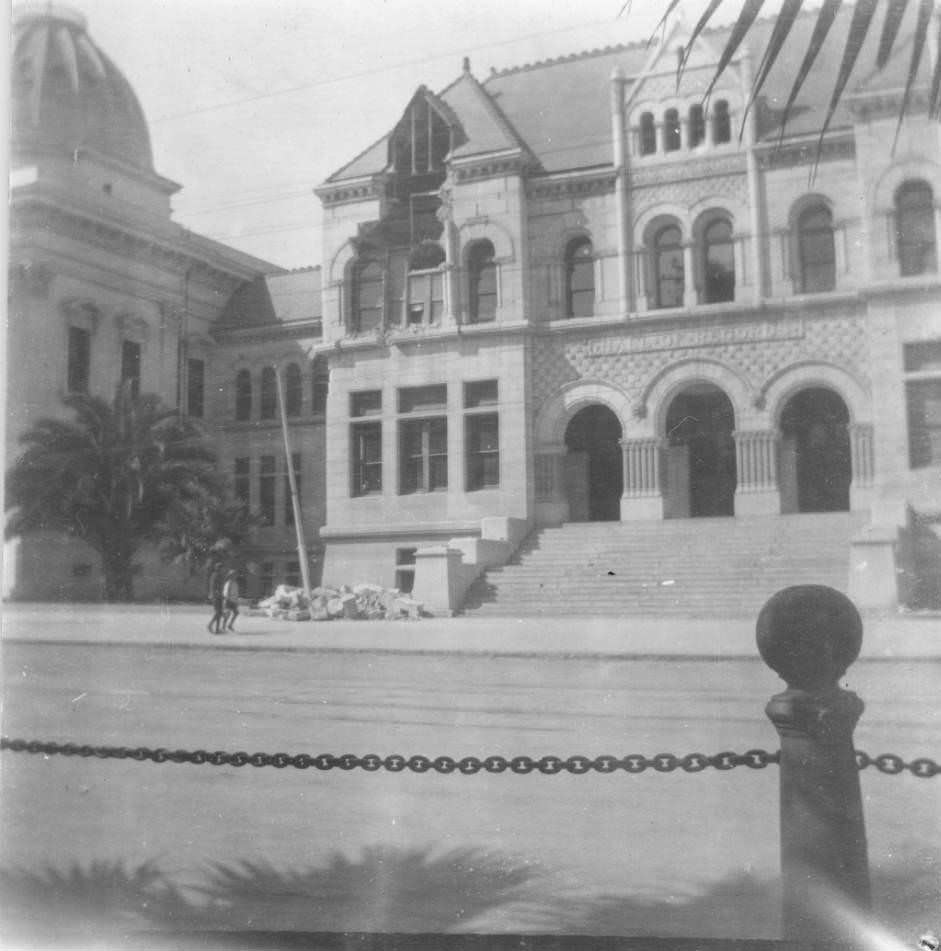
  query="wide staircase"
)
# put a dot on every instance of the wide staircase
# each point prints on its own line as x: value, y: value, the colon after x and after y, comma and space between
x: 703, y: 567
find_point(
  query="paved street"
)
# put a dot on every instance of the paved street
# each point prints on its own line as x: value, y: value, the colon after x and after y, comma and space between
x: 694, y: 854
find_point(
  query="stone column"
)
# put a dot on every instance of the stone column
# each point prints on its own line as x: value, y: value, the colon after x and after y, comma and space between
x: 809, y: 635
x: 642, y: 498
x: 690, y: 292
x: 863, y: 463
x: 756, y: 467
x: 738, y: 254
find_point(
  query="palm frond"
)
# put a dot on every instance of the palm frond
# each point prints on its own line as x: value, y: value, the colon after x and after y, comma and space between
x: 863, y: 13
x: 750, y: 10
x: 671, y: 6
x: 697, y: 29
x: 895, y: 11
x: 934, y: 101
x: 825, y: 17
x: 925, y: 11
x: 782, y: 28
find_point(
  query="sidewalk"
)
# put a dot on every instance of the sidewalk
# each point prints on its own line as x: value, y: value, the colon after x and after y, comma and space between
x: 894, y: 637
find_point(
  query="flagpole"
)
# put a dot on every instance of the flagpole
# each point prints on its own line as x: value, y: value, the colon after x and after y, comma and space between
x: 292, y: 481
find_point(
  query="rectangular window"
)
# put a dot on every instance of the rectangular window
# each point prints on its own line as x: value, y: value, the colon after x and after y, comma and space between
x: 480, y: 393
x: 923, y: 396
x: 243, y: 484
x: 924, y: 422
x: 366, y: 403
x: 366, y: 469
x: 423, y: 455
x: 266, y: 490
x: 130, y: 365
x: 425, y: 297
x: 195, y: 387
x: 405, y: 569
x: 79, y: 360
x: 422, y: 398
x: 288, y: 504
x: 482, y: 442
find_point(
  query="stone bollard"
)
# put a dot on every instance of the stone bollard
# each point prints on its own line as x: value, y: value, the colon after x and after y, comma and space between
x: 809, y: 635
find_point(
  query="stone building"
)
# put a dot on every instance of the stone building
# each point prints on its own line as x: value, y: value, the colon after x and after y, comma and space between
x: 105, y: 287
x: 577, y: 291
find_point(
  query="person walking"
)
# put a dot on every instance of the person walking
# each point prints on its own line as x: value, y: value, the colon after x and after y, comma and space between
x: 230, y: 597
x: 216, y: 624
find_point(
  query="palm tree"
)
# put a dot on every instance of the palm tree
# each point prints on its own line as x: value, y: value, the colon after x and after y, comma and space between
x: 112, y: 476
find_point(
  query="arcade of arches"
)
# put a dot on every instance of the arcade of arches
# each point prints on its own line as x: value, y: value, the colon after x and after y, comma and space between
x: 700, y: 465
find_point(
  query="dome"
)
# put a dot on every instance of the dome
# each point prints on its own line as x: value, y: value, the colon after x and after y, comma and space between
x: 67, y: 94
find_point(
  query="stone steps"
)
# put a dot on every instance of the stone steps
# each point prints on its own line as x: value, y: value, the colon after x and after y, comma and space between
x: 700, y: 567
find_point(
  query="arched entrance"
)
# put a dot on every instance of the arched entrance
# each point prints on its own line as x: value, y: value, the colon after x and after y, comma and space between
x: 816, y: 466
x: 699, y: 464
x: 594, y: 468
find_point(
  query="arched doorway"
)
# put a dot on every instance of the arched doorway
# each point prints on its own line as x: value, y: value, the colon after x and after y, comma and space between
x: 594, y: 467
x: 699, y: 468
x: 816, y: 466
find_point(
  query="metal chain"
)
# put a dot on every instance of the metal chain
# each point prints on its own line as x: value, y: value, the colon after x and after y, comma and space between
x: 468, y: 765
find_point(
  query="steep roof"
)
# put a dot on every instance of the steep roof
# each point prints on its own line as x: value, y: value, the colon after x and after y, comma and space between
x: 274, y: 300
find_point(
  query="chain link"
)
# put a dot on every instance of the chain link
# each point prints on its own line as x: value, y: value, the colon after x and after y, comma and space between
x: 633, y: 763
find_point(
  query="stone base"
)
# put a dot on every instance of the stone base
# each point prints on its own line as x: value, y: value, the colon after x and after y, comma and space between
x: 643, y: 509
x: 873, y: 581
x: 758, y: 503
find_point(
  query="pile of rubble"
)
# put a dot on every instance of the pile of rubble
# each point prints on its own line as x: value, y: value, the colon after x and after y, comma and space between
x: 364, y: 602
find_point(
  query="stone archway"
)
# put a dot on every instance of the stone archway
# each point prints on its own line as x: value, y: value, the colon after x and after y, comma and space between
x: 816, y: 463
x: 594, y: 467
x: 699, y: 463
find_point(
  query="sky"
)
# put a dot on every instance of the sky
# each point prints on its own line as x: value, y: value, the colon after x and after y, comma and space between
x: 253, y: 103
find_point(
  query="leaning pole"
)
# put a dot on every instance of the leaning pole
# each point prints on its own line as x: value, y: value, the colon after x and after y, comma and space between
x: 292, y: 482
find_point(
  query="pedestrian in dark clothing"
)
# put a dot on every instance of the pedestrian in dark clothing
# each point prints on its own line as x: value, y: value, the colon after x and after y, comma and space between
x: 230, y: 598
x: 215, y: 625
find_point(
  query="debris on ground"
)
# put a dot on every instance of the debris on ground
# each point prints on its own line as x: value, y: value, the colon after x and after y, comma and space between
x: 361, y: 602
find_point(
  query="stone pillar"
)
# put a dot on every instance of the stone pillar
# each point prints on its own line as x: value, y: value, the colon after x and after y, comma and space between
x: 863, y: 463
x: 809, y: 635
x: 642, y: 280
x: 622, y: 192
x: 756, y: 467
x: 438, y: 579
x: 690, y: 293
x: 641, y: 498
x: 738, y: 253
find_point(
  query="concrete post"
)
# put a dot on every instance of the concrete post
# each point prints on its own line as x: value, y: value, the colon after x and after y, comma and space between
x: 809, y: 635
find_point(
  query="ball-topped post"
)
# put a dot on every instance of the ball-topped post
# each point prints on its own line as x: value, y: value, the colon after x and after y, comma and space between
x: 810, y: 635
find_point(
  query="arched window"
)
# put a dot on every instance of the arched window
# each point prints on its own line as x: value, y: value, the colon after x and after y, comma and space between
x: 482, y: 281
x: 721, y: 123
x: 367, y: 296
x: 243, y: 395
x: 648, y: 134
x: 292, y: 390
x: 697, y: 126
x: 718, y: 262
x: 815, y: 251
x: 579, y: 279
x: 269, y: 394
x: 668, y: 267
x: 671, y: 130
x: 320, y: 385
x: 915, y: 229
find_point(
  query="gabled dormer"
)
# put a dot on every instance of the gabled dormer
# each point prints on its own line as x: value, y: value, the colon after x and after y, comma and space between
x: 667, y: 119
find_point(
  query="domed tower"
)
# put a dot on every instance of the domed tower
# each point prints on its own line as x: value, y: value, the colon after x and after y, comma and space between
x: 75, y: 117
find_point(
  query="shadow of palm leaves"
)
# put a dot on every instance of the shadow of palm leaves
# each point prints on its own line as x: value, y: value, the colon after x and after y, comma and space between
x: 386, y: 889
